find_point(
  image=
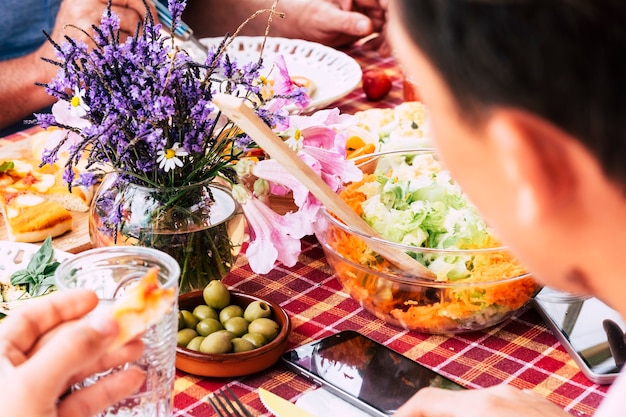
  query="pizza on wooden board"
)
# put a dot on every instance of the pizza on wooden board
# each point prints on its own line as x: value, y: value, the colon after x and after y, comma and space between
x: 35, y: 201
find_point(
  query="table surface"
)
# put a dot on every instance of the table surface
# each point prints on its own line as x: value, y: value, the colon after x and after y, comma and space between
x: 521, y: 351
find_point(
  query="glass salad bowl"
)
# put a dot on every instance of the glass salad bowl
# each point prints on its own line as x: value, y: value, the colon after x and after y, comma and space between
x: 409, y: 198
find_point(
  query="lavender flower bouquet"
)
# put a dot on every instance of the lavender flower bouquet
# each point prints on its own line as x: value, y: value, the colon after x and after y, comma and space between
x: 140, y: 112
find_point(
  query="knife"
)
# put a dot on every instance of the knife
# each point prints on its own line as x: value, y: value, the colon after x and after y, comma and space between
x: 281, y: 407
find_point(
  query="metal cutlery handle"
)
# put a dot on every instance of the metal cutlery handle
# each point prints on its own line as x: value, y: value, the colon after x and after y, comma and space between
x: 182, y: 31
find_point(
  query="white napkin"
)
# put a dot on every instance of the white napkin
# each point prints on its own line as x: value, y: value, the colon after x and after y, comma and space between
x: 322, y: 403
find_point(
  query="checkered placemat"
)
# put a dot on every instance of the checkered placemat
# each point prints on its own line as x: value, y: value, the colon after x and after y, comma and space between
x: 520, y: 352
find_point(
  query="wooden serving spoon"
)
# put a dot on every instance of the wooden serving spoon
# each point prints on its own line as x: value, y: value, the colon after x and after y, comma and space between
x: 244, y: 117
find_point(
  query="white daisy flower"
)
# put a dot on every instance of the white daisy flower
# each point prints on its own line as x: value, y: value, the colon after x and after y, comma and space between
x: 169, y: 158
x: 296, y: 140
x: 78, y: 107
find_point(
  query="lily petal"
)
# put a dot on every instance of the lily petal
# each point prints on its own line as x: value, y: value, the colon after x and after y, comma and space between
x: 272, y: 171
x: 270, y: 238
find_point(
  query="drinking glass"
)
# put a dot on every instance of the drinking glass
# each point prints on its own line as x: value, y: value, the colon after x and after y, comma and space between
x: 108, y: 271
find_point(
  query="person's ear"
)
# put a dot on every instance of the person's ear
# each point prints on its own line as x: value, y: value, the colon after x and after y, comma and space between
x: 536, y: 163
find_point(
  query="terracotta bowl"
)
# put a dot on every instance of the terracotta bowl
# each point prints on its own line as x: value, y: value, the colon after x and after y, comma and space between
x: 233, y: 364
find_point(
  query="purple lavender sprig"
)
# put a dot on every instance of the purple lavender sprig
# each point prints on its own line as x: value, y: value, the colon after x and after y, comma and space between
x: 144, y: 95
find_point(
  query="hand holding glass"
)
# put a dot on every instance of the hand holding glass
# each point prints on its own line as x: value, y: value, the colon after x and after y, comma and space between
x: 108, y: 272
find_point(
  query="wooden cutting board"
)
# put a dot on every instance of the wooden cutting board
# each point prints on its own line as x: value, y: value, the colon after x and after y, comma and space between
x: 76, y: 240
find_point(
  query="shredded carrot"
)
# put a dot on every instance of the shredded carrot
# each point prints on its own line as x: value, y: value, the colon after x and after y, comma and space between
x: 364, y: 150
x: 432, y: 308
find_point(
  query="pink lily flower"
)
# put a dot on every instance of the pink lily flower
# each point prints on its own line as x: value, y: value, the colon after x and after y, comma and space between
x: 284, y: 86
x: 317, y: 141
x: 327, y: 162
x: 271, y: 236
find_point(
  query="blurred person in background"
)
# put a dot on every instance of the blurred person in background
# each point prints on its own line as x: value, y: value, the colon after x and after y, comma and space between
x: 332, y: 23
x: 23, y: 44
x: 527, y: 101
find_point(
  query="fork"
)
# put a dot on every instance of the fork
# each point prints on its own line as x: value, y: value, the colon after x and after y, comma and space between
x: 183, y: 31
x: 225, y: 407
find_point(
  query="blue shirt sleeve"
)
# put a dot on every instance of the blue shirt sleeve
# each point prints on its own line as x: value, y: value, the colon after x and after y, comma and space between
x: 22, y: 23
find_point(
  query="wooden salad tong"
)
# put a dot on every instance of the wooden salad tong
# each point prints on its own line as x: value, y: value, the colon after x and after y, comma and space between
x: 244, y: 117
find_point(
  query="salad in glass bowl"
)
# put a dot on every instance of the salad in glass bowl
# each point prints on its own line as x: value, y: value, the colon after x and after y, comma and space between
x: 410, y: 199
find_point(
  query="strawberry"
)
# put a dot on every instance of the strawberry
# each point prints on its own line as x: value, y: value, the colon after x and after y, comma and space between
x: 376, y: 84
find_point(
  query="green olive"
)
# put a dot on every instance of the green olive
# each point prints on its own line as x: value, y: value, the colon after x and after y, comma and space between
x: 207, y: 326
x: 237, y: 326
x: 230, y: 311
x: 218, y: 342
x: 203, y: 311
x: 195, y: 343
x: 256, y: 310
x: 227, y: 333
x: 242, y: 345
x: 184, y: 336
x: 267, y: 327
x: 256, y: 339
x: 189, y: 319
x: 181, y: 320
x: 216, y: 295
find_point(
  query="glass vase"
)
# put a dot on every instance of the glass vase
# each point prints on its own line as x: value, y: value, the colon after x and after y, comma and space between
x: 200, y: 225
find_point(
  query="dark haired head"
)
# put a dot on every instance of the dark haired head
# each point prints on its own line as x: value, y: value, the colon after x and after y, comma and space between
x: 564, y: 60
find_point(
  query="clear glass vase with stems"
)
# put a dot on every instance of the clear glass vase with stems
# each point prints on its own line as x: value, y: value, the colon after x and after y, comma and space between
x: 200, y: 225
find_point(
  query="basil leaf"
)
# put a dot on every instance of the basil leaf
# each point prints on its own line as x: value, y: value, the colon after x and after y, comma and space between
x: 22, y: 277
x: 50, y: 268
x: 7, y: 166
x: 41, y: 258
x: 43, y: 286
x: 38, y: 277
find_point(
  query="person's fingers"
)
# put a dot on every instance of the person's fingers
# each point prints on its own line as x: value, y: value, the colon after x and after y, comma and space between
x: 132, y: 14
x: 371, y: 4
x: 415, y: 406
x: 353, y: 23
x: 130, y: 352
x: 130, y: 19
x: 71, y: 350
x: 38, y: 316
x: 109, y: 390
x: 499, y: 400
x: 137, y: 6
x: 333, y: 26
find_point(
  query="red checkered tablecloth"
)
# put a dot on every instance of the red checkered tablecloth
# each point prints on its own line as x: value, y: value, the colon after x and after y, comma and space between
x: 520, y: 352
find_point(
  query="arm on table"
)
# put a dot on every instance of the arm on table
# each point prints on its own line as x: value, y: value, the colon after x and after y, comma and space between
x: 19, y: 96
x: 329, y: 22
x: 497, y: 401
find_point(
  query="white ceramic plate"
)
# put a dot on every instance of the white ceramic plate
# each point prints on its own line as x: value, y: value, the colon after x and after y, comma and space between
x: 334, y: 73
x: 15, y: 256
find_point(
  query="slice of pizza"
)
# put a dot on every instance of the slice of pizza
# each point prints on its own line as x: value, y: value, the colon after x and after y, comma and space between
x: 32, y: 218
x: 141, y: 306
x: 48, y: 183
